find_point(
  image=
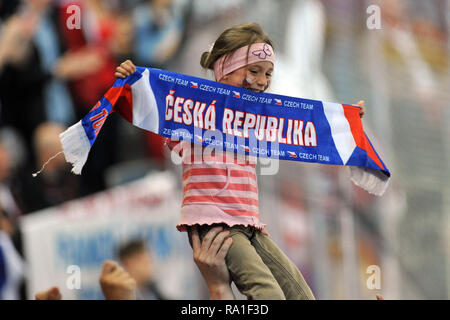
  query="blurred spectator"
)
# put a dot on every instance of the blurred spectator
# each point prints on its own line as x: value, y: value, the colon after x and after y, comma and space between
x: 13, y: 142
x: 89, y: 62
x: 55, y: 184
x: 159, y: 27
x: 10, y: 193
x: 11, y: 264
x: 208, y: 254
x: 8, y: 199
x: 116, y: 284
x: 30, y: 92
x: 58, y: 102
x: 89, y: 65
x: 135, y: 259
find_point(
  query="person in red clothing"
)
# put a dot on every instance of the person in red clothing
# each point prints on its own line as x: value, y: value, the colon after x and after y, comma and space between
x: 88, y: 66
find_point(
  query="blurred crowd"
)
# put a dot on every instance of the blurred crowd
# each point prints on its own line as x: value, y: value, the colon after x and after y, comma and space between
x: 57, y: 59
x: 54, y: 67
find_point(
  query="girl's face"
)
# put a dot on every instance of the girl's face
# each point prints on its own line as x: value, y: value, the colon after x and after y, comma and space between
x: 255, y: 76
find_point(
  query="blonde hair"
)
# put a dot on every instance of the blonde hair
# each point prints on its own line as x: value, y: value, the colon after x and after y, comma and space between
x: 232, y: 39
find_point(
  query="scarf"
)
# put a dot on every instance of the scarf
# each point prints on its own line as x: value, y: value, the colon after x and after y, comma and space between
x: 230, y: 118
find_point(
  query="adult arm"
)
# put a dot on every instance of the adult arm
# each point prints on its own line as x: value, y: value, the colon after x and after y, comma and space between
x: 209, y: 256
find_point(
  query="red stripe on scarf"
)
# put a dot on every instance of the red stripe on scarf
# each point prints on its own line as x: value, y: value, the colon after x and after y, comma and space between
x: 122, y: 101
x: 354, y: 120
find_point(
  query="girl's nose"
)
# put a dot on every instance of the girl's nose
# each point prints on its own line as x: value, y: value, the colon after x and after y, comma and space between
x: 261, y: 81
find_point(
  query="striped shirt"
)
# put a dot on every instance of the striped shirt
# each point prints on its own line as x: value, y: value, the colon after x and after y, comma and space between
x: 218, y: 187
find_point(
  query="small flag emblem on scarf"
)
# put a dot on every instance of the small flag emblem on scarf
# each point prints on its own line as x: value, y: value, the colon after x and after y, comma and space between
x: 292, y: 154
x: 198, y: 138
x: 194, y: 84
x: 236, y: 94
x: 278, y: 102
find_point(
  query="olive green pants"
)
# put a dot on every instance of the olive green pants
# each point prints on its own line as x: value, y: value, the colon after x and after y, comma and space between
x: 259, y: 269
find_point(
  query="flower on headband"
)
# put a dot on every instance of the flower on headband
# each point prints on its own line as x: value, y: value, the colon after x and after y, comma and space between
x: 263, y: 53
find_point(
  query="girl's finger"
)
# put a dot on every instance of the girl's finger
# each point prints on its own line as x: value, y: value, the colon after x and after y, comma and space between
x: 123, y: 71
x: 127, y: 67
x: 362, y: 111
x: 133, y: 67
x: 119, y: 75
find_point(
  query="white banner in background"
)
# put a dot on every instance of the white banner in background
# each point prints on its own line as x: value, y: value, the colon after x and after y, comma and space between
x: 75, y: 238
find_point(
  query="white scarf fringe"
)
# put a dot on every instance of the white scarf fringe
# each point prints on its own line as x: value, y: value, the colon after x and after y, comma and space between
x: 76, y: 146
x: 371, y: 180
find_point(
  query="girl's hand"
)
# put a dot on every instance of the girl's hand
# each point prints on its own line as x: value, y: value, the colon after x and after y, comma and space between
x: 125, y: 69
x: 363, y: 110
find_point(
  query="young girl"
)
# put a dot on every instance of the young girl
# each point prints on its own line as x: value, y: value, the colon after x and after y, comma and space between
x: 225, y: 193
